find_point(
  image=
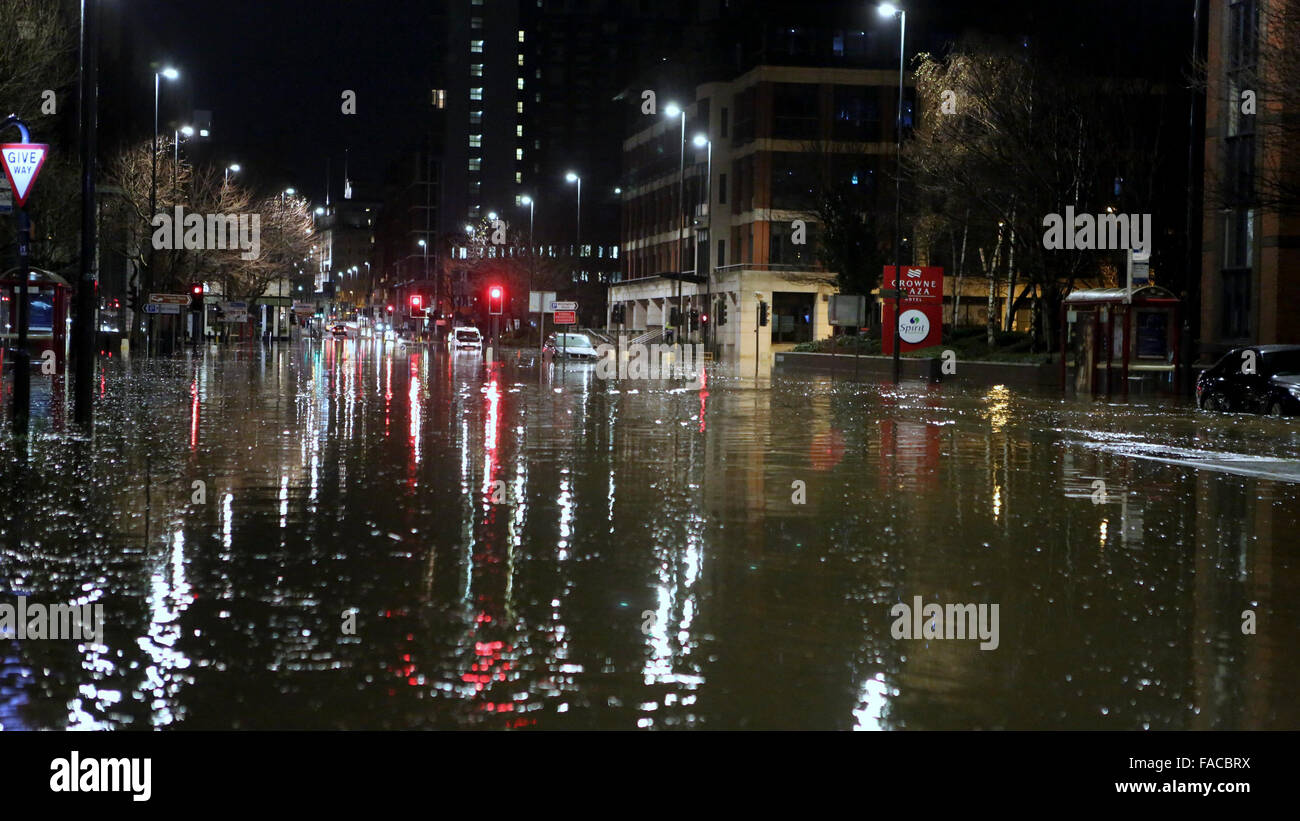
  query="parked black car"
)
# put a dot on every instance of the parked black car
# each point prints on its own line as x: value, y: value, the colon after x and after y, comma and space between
x: 1253, y: 379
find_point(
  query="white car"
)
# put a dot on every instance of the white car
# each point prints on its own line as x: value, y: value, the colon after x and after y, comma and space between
x: 465, y: 337
x: 572, y: 346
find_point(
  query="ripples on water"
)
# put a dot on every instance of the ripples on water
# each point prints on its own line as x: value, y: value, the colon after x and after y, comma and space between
x: 521, y: 547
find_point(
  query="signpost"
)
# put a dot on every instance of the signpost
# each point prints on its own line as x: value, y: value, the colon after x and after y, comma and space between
x: 22, y: 163
x: 537, y: 302
x: 919, y: 312
x: 566, y: 313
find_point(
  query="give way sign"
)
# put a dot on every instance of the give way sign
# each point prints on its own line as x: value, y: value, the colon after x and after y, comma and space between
x: 22, y: 162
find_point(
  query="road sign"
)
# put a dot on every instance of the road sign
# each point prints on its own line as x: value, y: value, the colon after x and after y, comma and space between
x: 304, y: 308
x: 849, y: 310
x: 169, y: 299
x: 234, y: 311
x: 566, y: 317
x: 162, y: 308
x: 22, y: 162
x: 538, y: 300
x: 563, y: 306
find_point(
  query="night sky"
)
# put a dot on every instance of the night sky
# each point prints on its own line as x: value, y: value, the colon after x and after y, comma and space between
x: 272, y: 72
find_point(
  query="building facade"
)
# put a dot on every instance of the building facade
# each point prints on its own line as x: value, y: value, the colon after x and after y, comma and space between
x: 1250, y: 263
x: 747, y: 232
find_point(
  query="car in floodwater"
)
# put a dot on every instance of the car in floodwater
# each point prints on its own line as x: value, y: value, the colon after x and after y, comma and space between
x: 1253, y: 379
x: 466, y: 337
x: 572, y: 346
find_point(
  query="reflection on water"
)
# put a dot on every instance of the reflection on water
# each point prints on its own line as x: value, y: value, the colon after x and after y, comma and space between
x: 401, y: 537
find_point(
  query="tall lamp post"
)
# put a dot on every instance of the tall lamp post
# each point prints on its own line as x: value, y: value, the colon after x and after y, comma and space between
x: 183, y: 131
x: 527, y: 200
x: 232, y: 167
x: 672, y: 110
x: 572, y: 177
x: 890, y: 10
x: 170, y: 74
x: 702, y: 141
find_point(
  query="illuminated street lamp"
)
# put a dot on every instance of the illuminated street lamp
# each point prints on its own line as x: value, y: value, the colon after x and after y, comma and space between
x: 890, y: 10
x: 572, y: 177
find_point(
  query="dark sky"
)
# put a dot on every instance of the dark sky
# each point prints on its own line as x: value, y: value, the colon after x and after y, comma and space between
x: 273, y: 71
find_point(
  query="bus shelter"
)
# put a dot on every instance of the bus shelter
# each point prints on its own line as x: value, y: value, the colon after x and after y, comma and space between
x: 1119, y: 339
x: 49, y: 296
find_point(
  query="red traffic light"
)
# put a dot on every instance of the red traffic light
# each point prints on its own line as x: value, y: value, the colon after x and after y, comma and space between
x: 415, y: 300
x: 390, y: 309
x: 495, y: 292
x: 197, y: 289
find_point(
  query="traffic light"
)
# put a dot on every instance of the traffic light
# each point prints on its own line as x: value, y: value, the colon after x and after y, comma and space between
x: 390, y: 309
x: 762, y: 313
x: 196, y: 297
x: 130, y: 300
x: 704, y: 319
x: 495, y: 300
x: 674, y: 317
x: 416, y: 303
x: 722, y: 311
x: 695, y: 318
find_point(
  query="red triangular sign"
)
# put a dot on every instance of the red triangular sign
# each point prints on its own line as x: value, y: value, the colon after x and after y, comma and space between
x: 22, y: 162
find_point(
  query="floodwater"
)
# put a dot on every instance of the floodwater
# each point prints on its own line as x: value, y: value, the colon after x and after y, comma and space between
x: 341, y: 534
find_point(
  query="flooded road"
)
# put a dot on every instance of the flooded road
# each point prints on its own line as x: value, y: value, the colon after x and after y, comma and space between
x: 343, y: 535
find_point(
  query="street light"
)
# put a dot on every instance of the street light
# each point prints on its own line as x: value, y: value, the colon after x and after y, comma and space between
x: 232, y: 167
x: 177, y: 133
x: 702, y: 141
x: 572, y: 177
x: 890, y: 10
x: 171, y: 74
x: 672, y: 110
x: 527, y: 200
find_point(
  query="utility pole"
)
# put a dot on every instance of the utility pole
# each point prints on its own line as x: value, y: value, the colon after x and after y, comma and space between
x: 83, y: 323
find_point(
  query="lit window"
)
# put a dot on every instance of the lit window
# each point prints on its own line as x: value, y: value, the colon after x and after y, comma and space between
x: 475, y: 140
x: 519, y: 107
x: 476, y: 93
x: 476, y: 22
x: 476, y: 70
x: 476, y: 46
x: 519, y: 131
x: 475, y: 163
x: 519, y: 177
x: 521, y: 83
x: 538, y: 74
x: 476, y: 117
x: 537, y: 98
x: 519, y: 153
x: 521, y: 36
x: 439, y: 98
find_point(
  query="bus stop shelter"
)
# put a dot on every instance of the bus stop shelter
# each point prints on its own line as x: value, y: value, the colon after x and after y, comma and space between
x: 49, y: 297
x: 1121, y: 339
